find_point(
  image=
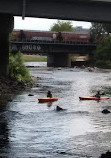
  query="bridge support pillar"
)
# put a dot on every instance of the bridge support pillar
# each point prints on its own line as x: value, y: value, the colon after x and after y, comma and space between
x: 91, y: 59
x: 6, y: 26
x: 58, y: 60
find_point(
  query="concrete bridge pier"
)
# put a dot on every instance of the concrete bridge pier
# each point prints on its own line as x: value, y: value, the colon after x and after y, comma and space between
x: 58, y: 60
x: 6, y: 26
x: 91, y: 58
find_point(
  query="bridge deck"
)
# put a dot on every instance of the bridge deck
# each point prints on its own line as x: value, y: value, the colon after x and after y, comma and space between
x: 87, y: 10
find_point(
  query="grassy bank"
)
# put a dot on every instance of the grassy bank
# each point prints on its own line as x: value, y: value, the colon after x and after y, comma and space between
x: 35, y: 58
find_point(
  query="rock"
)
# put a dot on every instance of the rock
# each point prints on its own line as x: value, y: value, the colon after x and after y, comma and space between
x: 37, y: 85
x: 30, y: 95
x: 106, y: 155
x: 10, y: 100
x: 38, y: 78
x: 90, y: 69
x: 58, y: 108
x: 105, y: 111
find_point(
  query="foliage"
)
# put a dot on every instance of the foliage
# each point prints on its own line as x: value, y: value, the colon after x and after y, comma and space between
x: 107, y: 27
x: 99, y: 30
x: 103, y: 53
x: 17, y: 69
x: 62, y: 26
x: 96, y: 30
x: 11, y: 37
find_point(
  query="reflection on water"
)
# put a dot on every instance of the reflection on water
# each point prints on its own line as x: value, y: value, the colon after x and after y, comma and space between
x: 49, y: 104
x: 4, y: 131
x: 31, y: 129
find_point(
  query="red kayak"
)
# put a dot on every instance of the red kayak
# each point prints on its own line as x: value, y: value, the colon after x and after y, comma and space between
x: 93, y: 98
x: 43, y: 100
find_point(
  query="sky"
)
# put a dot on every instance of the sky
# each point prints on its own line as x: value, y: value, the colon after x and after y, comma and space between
x: 42, y: 24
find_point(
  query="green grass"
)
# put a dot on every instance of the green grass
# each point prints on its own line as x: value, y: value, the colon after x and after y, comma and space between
x: 34, y: 58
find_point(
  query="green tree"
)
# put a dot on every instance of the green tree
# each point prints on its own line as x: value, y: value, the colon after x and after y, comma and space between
x: 62, y: 26
x: 107, y: 27
x: 99, y: 30
x: 96, y: 30
x: 103, y: 53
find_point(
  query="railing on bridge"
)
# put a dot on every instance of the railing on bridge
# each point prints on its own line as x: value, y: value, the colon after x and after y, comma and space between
x: 55, y: 46
x: 51, y: 41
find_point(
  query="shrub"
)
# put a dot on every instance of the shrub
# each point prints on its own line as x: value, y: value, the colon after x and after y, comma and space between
x: 17, y: 69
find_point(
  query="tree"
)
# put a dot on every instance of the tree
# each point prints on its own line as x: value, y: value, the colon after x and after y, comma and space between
x: 107, y: 27
x: 99, y: 30
x: 62, y: 26
x: 103, y: 53
x: 96, y: 30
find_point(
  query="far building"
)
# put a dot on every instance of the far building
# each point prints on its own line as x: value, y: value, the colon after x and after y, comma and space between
x: 81, y: 30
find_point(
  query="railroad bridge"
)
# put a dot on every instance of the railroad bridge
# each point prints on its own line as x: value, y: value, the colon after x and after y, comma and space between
x: 58, y: 53
x: 83, y: 10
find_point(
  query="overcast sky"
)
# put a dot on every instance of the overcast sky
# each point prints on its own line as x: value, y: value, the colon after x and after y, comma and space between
x: 42, y: 24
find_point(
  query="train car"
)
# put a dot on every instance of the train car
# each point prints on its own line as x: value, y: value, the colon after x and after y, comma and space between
x: 36, y: 38
x: 71, y: 36
x: 50, y: 35
x: 31, y: 35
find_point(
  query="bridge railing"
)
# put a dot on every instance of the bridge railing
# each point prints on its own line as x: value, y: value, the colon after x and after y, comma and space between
x: 51, y: 42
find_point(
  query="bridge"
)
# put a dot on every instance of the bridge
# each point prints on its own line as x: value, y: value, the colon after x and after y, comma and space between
x: 85, y: 10
x: 45, y: 47
x: 58, y: 53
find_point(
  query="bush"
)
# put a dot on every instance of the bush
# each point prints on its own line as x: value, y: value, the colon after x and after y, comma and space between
x: 17, y: 69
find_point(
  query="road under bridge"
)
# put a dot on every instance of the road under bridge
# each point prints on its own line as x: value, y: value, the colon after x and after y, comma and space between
x: 85, y: 10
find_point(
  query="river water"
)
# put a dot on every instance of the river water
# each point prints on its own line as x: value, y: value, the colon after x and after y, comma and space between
x: 33, y: 130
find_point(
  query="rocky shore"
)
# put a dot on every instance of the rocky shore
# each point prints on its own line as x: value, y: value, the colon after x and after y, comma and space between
x: 10, y: 87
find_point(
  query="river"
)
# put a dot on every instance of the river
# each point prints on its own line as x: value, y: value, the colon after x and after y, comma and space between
x: 33, y: 130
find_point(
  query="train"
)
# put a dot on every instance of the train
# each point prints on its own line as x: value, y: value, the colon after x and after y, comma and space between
x: 36, y: 38
x: 50, y: 36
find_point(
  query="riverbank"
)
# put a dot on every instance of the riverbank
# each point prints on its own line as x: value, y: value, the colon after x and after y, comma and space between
x: 10, y: 87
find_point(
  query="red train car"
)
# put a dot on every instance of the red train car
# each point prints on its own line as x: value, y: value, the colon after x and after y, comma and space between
x: 71, y: 36
x: 66, y: 36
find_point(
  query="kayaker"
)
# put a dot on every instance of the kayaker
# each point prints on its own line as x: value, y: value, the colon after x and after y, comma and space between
x: 98, y: 95
x: 49, y: 94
